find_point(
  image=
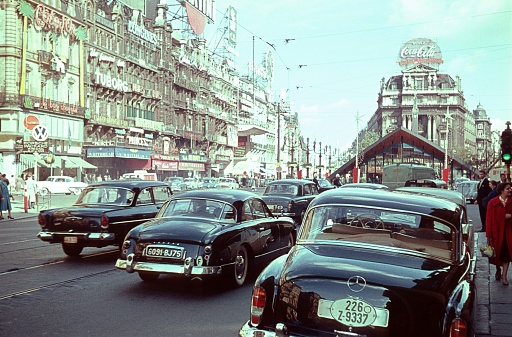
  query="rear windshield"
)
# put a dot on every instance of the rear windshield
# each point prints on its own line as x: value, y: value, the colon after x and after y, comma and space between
x: 411, y: 231
x: 282, y: 189
x: 200, y: 208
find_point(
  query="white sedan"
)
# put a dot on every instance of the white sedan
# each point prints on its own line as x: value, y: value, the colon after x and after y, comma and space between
x: 60, y: 184
x: 228, y: 183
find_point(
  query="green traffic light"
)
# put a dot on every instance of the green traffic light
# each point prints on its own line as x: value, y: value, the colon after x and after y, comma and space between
x: 506, y: 156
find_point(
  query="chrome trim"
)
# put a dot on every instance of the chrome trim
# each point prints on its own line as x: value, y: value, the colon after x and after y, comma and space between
x: 57, y: 236
x: 162, y: 268
x: 281, y: 331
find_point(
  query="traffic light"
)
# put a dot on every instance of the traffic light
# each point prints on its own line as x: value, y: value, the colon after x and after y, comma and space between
x: 506, y: 145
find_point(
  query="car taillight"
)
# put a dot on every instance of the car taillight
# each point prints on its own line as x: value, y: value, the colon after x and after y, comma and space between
x: 257, y: 305
x: 290, y: 205
x: 40, y: 220
x: 458, y: 328
x: 104, y: 222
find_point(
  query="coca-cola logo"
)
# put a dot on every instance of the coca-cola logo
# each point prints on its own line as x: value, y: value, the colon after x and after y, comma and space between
x: 420, y: 51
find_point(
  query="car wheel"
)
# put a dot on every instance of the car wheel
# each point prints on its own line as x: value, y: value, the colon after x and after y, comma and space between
x: 72, y: 249
x: 148, y: 277
x: 240, y: 267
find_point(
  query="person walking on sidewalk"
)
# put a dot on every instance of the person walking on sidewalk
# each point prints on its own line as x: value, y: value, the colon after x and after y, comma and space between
x: 31, y: 190
x: 499, y: 229
x: 5, y: 203
x: 483, y: 189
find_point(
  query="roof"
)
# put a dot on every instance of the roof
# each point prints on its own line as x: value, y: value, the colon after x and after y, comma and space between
x: 291, y: 182
x: 129, y: 183
x: 383, y: 198
x: 229, y: 196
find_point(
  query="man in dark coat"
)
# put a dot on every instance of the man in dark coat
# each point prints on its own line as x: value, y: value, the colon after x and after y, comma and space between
x: 483, y: 190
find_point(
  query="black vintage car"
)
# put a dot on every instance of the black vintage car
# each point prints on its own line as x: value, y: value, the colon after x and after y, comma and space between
x: 103, y: 214
x: 290, y: 197
x: 204, y: 233
x: 370, y: 263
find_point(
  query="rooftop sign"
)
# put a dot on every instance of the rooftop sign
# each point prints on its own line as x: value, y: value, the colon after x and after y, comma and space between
x: 420, y: 51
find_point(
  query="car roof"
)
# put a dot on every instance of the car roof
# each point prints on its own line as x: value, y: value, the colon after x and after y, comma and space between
x: 291, y: 182
x: 384, y: 198
x: 229, y: 196
x: 130, y: 183
x: 452, y: 195
x: 366, y: 185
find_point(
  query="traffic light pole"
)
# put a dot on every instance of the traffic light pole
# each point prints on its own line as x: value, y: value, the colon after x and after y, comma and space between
x: 506, y: 149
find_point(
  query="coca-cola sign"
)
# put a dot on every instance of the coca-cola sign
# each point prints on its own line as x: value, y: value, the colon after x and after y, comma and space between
x: 420, y: 51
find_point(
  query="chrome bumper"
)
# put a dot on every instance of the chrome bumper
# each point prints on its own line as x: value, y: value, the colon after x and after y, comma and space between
x: 187, y: 269
x: 249, y: 331
x: 54, y: 237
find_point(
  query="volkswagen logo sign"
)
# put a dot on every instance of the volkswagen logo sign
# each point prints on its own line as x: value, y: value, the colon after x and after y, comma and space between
x: 356, y: 283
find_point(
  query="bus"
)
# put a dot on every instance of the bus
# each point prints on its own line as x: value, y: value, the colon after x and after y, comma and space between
x: 396, y: 175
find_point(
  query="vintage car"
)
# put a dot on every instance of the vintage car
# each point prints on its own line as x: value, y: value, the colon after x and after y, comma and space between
x: 290, y: 197
x: 370, y: 263
x: 323, y: 185
x: 177, y: 184
x: 210, y: 183
x: 435, y: 183
x: 205, y: 233
x: 59, y: 184
x: 228, y: 183
x: 469, y: 190
x: 103, y: 214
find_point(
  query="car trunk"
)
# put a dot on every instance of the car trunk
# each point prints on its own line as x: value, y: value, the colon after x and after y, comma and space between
x: 398, y: 294
x: 277, y: 203
x: 76, y: 219
x: 185, y: 232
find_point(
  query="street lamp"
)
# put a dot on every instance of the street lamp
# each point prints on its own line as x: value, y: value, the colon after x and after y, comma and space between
x: 291, y: 143
x: 305, y: 147
x: 320, y: 152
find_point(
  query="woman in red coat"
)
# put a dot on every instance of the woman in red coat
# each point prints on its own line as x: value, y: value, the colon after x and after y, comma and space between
x: 499, y: 227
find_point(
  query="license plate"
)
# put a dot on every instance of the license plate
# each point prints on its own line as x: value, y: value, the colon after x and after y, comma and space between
x: 275, y: 208
x: 169, y: 252
x: 70, y: 239
x: 353, y: 312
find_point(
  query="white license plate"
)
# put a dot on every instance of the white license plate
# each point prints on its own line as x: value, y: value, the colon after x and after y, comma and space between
x: 70, y: 239
x: 353, y: 312
x: 275, y: 208
x: 169, y: 252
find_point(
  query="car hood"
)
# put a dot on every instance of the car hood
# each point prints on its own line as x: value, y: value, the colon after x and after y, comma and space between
x: 177, y: 229
x: 413, y: 289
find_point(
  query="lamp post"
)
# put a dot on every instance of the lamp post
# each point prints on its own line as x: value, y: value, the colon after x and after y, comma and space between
x: 305, y: 147
x: 448, y: 117
x: 320, y: 152
x: 291, y: 143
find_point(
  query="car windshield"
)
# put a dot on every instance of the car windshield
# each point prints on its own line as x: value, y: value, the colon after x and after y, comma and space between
x: 336, y: 223
x: 281, y: 189
x: 108, y: 195
x: 202, y: 208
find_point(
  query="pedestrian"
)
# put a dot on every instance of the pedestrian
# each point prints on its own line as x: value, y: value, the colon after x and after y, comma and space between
x: 503, y: 178
x: 499, y: 231
x: 483, y: 189
x: 20, y: 184
x: 492, y: 194
x: 5, y: 202
x: 99, y: 178
x: 315, y: 180
x: 337, y: 182
x: 86, y: 179
x: 31, y: 191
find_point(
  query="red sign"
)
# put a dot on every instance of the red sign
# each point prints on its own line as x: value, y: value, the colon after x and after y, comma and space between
x: 30, y: 122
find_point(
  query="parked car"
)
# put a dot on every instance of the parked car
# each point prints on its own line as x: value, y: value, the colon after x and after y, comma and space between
x: 206, y: 233
x: 192, y: 183
x: 103, y: 214
x: 290, y: 197
x: 370, y: 263
x: 59, y: 184
x: 177, y: 184
x: 323, y: 185
x: 210, y: 183
x: 469, y: 190
x: 228, y: 183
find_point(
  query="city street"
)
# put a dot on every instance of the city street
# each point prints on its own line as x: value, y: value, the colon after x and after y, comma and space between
x: 44, y: 293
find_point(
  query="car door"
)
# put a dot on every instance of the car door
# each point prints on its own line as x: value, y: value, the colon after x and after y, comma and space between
x: 273, y: 231
x: 260, y: 229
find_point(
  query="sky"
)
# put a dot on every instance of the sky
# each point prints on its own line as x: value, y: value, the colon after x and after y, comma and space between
x: 330, y: 56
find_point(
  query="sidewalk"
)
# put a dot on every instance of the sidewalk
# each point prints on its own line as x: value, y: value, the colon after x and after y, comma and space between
x: 494, y: 300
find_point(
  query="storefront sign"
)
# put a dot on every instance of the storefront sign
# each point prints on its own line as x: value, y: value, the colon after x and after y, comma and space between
x: 100, y: 152
x: 108, y: 81
x: 192, y: 157
x: 142, y: 32
x: 122, y: 152
x: 139, y: 141
x: 187, y: 166
x: 39, y: 147
x: 165, y: 165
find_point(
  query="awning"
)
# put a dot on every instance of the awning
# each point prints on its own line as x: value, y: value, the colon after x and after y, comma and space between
x: 251, y: 130
x: 241, y: 167
x: 75, y: 162
x: 29, y: 159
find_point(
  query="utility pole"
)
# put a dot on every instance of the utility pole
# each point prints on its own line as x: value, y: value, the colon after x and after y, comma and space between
x: 278, y: 168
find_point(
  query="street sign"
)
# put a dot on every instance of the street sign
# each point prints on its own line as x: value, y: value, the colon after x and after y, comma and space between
x: 30, y: 122
x: 31, y: 147
x: 40, y: 133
